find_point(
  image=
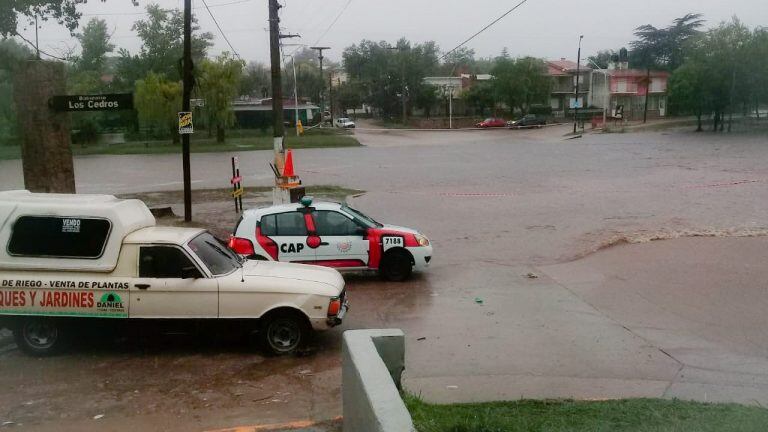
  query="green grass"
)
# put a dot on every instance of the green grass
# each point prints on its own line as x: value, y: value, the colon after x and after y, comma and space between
x: 657, y: 415
x: 200, y: 143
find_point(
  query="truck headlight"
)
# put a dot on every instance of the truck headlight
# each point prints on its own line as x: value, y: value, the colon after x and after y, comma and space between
x: 421, y: 240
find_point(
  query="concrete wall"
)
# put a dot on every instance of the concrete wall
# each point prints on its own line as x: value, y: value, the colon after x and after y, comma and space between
x: 372, y: 365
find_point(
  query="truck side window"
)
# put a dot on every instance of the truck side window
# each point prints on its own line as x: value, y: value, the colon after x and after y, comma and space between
x: 331, y: 223
x: 163, y: 262
x: 59, y: 237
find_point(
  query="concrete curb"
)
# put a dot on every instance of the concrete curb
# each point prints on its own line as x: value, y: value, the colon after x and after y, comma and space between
x: 372, y: 365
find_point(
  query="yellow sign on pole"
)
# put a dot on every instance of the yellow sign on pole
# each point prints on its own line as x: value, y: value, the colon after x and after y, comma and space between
x: 237, y: 192
x: 185, y: 123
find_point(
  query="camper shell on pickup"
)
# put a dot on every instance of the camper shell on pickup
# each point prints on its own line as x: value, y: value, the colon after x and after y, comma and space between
x: 66, y: 260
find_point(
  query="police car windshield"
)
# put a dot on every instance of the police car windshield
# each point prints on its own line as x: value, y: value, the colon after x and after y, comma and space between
x: 360, y: 217
x: 214, y: 254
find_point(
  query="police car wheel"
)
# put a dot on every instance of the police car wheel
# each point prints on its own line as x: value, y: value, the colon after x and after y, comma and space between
x: 283, y: 333
x: 39, y: 336
x: 396, y: 266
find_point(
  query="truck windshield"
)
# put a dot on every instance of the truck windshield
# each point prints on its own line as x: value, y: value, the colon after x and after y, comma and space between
x: 219, y: 259
x: 360, y: 217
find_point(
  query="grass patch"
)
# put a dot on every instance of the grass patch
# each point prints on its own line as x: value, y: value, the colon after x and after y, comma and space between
x: 202, y: 144
x: 658, y: 415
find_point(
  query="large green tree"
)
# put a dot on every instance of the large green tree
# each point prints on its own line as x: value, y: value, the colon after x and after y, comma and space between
x: 157, y: 101
x: 520, y: 83
x: 219, y: 82
x: 664, y: 47
x: 95, y: 45
x: 162, y: 48
x: 386, y: 74
x: 256, y: 81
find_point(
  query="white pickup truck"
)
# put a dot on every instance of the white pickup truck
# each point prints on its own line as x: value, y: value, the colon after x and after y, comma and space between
x: 68, y: 261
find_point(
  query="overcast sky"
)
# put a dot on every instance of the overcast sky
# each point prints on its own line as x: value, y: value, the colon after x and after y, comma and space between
x: 542, y: 28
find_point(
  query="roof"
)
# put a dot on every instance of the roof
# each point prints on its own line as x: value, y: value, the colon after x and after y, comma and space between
x: 564, y: 67
x: 283, y: 208
x: 162, y: 234
x: 629, y: 73
x: 125, y: 216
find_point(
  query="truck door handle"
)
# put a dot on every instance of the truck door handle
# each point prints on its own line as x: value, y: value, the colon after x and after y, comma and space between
x: 141, y: 286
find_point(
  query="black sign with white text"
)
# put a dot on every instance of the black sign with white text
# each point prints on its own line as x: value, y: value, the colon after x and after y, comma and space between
x: 102, y: 102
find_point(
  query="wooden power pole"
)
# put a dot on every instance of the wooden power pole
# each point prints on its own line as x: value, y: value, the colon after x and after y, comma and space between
x: 186, y: 94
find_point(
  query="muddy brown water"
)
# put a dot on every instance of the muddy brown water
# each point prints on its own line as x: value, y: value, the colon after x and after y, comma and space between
x: 671, y: 317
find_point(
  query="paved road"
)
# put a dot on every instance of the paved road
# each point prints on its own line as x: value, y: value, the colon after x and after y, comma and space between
x: 674, y: 318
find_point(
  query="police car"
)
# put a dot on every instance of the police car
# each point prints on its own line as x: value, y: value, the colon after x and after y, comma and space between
x: 330, y: 234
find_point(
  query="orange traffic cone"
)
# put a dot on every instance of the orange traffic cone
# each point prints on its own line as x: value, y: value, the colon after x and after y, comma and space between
x: 288, y: 169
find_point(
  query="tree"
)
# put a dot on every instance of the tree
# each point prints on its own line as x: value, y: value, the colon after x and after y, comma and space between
x: 520, y: 83
x: 603, y: 58
x: 480, y: 96
x: 664, y: 47
x: 158, y: 101
x: 460, y: 60
x: 348, y: 95
x: 219, y: 83
x: 426, y: 97
x: 12, y: 54
x: 162, y: 49
x: 63, y: 11
x: 383, y: 72
x: 256, y: 81
x: 95, y: 44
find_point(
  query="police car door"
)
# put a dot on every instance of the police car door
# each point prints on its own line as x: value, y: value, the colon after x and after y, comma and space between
x: 289, y: 231
x: 343, y: 242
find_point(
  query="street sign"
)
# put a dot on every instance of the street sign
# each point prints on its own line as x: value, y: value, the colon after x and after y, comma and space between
x: 185, y: 123
x: 101, y: 102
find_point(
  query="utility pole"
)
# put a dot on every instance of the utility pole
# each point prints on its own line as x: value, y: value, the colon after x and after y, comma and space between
x: 186, y: 93
x: 647, y: 92
x: 37, y: 41
x: 578, y: 73
x: 319, y: 50
x: 277, y: 87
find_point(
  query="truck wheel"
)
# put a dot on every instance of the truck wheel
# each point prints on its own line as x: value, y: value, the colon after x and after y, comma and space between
x: 396, y: 265
x: 283, y: 332
x: 39, y: 336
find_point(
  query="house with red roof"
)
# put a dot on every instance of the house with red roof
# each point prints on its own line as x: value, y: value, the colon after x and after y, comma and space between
x: 563, y: 73
x: 623, y: 92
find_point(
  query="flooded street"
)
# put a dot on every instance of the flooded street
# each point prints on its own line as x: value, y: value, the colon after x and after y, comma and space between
x: 544, y: 282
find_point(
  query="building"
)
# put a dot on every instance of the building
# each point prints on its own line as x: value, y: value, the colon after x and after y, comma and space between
x: 563, y: 73
x: 623, y: 92
x: 257, y: 113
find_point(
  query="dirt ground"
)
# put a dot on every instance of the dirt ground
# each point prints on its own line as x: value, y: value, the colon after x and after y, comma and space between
x: 516, y: 302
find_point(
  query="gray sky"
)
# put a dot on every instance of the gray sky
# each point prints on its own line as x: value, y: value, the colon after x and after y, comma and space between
x: 542, y: 28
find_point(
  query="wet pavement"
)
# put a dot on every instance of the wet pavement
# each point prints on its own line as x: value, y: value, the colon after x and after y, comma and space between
x: 516, y: 304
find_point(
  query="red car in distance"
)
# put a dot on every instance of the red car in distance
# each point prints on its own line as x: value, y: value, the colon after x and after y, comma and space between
x: 491, y: 122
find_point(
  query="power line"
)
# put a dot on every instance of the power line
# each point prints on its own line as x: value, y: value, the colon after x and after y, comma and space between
x: 38, y: 49
x: 334, y: 22
x: 484, y: 29
x: 145, y: 13
x: 221, y: 31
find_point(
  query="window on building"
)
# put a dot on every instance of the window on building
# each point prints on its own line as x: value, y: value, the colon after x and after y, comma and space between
x: 59, y: 237
x: 554, y: 103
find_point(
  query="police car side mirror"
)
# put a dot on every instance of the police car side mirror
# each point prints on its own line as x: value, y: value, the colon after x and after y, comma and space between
x: 190, y: 272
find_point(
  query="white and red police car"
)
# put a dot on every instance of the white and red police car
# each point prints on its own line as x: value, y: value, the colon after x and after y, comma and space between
x: 330, y: 234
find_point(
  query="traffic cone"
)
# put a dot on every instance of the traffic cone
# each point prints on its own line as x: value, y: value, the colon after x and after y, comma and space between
x: 288, y: 169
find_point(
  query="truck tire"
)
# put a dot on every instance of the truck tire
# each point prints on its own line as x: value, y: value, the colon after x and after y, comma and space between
x: 396, y: 265
x: 39, y: 336
x: 283, y: 332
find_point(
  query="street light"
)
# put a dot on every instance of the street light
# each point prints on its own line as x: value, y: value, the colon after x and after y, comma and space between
x: 578, y: 72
